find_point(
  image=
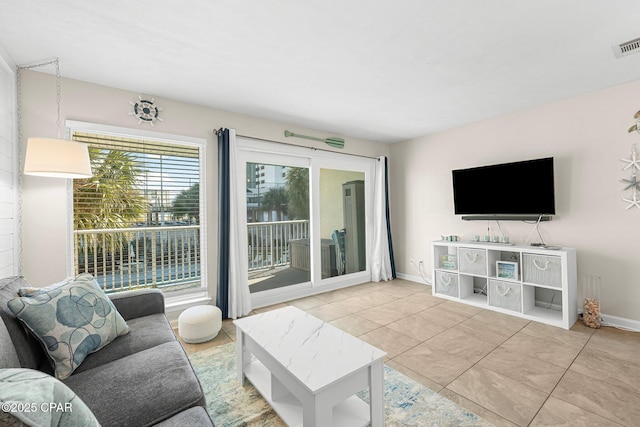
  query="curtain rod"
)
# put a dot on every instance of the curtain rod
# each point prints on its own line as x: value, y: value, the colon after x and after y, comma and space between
x: 216, y: 131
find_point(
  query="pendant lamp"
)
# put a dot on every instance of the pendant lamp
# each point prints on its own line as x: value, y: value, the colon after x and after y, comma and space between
x: 56, y: 157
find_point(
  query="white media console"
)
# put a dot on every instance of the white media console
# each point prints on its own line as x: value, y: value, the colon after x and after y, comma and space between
x: 540, y: 286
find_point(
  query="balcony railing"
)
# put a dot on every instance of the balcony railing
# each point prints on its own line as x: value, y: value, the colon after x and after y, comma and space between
x: 140, y: 257
x: 169, y: 257
x: 269, y: 242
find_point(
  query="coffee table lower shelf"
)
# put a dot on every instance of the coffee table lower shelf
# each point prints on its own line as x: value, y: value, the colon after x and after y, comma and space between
x: 353, y: 412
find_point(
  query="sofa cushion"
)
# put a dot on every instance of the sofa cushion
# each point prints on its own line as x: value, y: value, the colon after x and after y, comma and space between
x: 143, y: 388
x: 144, y: 332
x: 71, y: 319
x: 29, y: 350
x: 138, y: 303
x: 41, y: 400
x: 8, y: 355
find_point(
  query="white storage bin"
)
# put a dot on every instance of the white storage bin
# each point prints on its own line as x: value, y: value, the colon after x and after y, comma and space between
x: 446, y: 283
x: 473, y: 261
x: 542, y: 270
x: 505, y: 295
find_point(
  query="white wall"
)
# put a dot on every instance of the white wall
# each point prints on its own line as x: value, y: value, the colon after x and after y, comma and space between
x: 45, y: 210
x: 9, y: 246
x: 587, y: 135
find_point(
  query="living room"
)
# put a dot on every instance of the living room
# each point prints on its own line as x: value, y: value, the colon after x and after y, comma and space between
x: 582, y: 126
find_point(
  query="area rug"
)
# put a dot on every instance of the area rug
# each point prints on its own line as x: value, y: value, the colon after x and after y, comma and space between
x: 407, y: 402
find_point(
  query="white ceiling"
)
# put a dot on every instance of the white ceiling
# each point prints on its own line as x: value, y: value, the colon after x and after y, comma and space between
x: 381, y: 70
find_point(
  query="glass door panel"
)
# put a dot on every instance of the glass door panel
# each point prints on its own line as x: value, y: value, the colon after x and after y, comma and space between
x: 278, y: 234
x: 342, y: 222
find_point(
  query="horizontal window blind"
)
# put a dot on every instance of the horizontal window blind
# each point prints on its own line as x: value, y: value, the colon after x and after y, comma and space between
x: 137, y: 182
x: 137, y: 220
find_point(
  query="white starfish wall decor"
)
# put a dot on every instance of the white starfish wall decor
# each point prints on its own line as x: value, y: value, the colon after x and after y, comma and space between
x: 632, y: 163
x: 633, y: 201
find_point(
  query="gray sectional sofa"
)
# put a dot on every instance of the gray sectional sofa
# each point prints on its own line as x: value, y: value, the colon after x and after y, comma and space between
x: 142, y: 378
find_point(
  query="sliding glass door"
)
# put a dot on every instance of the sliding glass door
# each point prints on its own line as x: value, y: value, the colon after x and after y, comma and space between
x: 277, y: 198
x: 306, y: 220
x: 277, y: 222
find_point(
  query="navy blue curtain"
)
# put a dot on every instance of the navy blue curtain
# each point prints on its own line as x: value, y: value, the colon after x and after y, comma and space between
x: 224, y: 181
x: 386, y: 195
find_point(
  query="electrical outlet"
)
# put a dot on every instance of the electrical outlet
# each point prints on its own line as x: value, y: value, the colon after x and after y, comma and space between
x: 411, y: 261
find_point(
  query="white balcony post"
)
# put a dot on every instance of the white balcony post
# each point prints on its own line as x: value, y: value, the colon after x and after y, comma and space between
x: 271, y: 244
x: 153, y: 258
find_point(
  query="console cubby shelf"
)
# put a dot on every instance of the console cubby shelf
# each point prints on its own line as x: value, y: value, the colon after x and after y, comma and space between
x: 544, y: 289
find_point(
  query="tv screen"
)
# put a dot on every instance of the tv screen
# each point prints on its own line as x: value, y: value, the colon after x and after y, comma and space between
x: 519, y: 188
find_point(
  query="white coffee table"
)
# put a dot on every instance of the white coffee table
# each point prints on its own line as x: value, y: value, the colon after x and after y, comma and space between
x: 309, y: 370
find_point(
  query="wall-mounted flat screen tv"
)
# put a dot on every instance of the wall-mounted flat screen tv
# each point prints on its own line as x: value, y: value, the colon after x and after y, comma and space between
x: 518, y: 188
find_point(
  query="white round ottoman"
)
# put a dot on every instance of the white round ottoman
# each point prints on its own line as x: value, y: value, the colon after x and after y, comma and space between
x: 199, y: 324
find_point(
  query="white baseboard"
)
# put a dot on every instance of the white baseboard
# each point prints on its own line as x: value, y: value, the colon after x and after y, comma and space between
x: 412, y: 278
x: 620, y: 322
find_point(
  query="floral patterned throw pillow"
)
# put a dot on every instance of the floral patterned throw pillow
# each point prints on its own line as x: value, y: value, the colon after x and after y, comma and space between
x: 71, y: 319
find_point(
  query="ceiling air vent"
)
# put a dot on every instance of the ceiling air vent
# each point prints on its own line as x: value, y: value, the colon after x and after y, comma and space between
x: 627, y: 48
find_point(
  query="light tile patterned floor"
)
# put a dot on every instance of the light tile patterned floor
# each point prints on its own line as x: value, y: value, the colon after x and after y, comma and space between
x: 507, y: 370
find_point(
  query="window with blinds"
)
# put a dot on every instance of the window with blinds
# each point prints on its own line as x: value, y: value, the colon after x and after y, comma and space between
x: 137, y: 221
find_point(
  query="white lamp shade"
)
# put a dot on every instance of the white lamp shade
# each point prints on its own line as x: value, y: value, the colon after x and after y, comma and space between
x: 57, y: 158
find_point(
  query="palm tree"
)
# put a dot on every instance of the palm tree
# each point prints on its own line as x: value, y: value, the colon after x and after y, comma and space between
x: 275, y: 200
x: 110, y: 199
x: 298, y: 193
x: 187, y: 203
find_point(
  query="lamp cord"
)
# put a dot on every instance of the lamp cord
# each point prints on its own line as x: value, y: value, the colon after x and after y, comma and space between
x: 58, y: 122
x: 19, y: 153
x: 19, y: 144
